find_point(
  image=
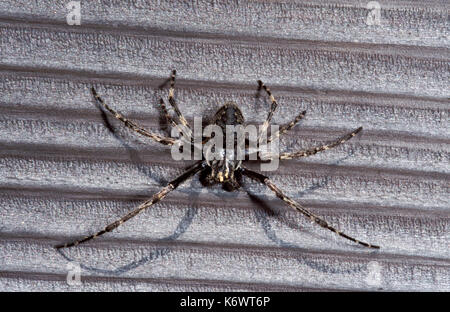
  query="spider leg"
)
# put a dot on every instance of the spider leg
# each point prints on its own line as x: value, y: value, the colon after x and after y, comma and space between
x: 315, y: 150
x: 293, y: 204
x: 273, y: 107
x: 174, y: 103
x: 155, y: 198
x: 132, y: 125
x: 187, y: 133
x: 169, y: 118
x: 285, y: 128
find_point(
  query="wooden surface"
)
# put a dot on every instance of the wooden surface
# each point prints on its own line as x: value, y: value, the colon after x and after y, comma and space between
x: 66, y: 169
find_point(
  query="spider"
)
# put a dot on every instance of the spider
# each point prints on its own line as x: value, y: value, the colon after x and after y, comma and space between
x: 227, y: 172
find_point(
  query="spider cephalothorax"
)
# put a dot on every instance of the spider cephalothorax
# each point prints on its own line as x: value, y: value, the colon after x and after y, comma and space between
x: 225, y: 170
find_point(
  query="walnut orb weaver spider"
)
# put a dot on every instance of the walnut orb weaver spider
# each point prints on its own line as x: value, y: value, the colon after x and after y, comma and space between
x: 227, y: 172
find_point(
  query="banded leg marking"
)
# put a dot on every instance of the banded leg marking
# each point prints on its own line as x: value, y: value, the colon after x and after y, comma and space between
x: 155, y: 198
x: 273, y: 107
x: 173, y: 102
x: 318, y: 149
x: 285, y: 128
x: 133, y: 126
x: 293, y: 204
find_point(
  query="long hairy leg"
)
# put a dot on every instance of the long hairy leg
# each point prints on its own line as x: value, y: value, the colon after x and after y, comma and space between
x: 183, y: 130
x: 273, y: 107
x: 155, y: 198
x: 286, y: 127
x: 173, y: 103
x: 318, y: 149
x: 293, y: 204
x: 133, y: 126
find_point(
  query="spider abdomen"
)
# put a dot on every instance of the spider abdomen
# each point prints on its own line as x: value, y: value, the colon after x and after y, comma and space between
x: 223, y: 170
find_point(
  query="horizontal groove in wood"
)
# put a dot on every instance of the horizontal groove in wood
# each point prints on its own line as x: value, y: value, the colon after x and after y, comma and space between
x: 23, y: 281
x: 198, y: 217
x: 61, y: 97
x: 325, y: 182
x: 402, y: 22
x: 223, y: 61
x: 197, y: 262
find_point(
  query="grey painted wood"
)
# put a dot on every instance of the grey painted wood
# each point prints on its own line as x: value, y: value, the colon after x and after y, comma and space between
x: 66, y: 170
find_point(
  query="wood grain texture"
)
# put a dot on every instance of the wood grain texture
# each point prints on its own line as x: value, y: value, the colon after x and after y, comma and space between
x: 66, y: 169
